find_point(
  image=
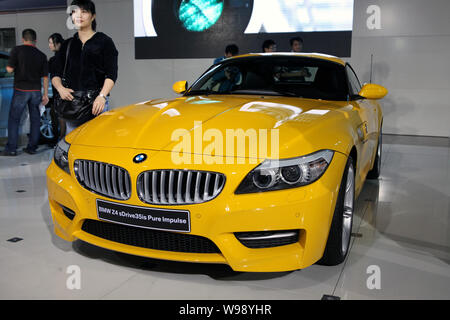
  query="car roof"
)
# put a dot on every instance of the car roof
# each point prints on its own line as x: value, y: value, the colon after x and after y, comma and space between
x: 296, y: 54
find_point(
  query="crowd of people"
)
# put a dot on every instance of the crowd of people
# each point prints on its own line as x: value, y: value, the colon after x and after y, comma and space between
x: 269, y: 45
x: 84, y: 65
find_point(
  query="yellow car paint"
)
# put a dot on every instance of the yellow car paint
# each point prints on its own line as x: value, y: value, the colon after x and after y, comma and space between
x: 304, y: 126
x: 373, y: 91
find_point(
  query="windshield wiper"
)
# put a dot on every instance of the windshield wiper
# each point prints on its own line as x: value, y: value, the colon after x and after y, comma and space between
x: 199, y: 92
x: 265, y: 92
x: 287, y: 93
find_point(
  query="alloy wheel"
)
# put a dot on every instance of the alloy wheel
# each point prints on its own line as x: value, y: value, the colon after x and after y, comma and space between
x: 348, y: 209
x: 46, y: 125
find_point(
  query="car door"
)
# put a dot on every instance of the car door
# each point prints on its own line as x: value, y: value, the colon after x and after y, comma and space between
x: 368, y: 128
x: 6, y: 92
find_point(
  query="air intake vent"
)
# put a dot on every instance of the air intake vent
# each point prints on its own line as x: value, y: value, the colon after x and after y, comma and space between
x: 68, y: 213
x: 173, y: 187
x: 267, y: 239
x: 102, y: 178
x: 149, y: 239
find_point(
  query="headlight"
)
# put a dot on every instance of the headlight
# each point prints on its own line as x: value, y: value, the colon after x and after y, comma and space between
x: 286, y: 173
x: 61, y: 156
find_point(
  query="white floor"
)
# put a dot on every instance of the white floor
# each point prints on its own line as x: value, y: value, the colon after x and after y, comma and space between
x: 400, y: 248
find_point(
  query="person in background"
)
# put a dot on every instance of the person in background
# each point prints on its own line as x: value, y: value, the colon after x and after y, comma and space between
x: 296, y: 44
x: 92, y: 61
x: 29, y: 65
x: 54, y: 43
x: 231, y: 50
x: 269, y: 46
x: 228, y: 77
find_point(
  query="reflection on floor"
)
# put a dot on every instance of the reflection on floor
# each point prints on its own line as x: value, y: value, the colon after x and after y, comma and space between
x: 400, y: 248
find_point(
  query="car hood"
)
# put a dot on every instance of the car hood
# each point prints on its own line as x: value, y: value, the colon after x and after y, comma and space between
x: 162, y: 124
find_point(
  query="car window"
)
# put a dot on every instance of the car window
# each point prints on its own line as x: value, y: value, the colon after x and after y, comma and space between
x: 3, y: 64
x: 355, y: 85
x: 282, y: 76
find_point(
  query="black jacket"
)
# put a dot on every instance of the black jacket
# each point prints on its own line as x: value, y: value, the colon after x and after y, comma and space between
x: 89, y: 65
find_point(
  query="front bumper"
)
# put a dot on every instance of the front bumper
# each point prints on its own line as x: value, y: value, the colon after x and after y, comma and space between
x: 309, y: 210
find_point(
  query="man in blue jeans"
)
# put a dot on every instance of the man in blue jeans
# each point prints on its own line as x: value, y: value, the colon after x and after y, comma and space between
x: 29, y: 65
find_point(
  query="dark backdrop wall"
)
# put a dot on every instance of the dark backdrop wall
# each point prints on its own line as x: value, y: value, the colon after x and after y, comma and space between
x: 178, y: 27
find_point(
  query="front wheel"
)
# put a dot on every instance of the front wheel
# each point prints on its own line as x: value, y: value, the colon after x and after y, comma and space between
x: 338, y: 242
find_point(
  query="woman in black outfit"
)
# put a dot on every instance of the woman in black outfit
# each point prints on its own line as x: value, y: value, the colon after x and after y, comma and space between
x: 54, y: 43
x: 91, y: 64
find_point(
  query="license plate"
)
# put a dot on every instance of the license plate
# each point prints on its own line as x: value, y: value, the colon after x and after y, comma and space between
x: 144, y: 217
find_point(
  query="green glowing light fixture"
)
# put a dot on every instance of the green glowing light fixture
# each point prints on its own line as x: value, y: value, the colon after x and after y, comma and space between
x: 200, y: 15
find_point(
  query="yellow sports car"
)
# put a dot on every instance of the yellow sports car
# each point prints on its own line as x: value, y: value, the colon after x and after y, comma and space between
x: 256, y: 165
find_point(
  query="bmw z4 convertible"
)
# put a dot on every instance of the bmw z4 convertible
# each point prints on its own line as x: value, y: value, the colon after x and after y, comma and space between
x: 257, y: 165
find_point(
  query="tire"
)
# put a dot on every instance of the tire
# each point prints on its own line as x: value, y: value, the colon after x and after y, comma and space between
x: 376, y: 170
x: 338, y: 243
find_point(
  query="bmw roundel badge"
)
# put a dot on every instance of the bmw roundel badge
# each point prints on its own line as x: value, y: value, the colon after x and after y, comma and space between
x: 140, y: 158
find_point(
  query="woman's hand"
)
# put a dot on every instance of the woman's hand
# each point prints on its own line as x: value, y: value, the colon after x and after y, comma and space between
x: 45, y: 99
x: 66, y: 93
x: 99, y: 105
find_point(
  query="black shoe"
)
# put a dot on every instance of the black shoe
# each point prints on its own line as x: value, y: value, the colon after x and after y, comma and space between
x: 6, y: 153
x: 29, y: 151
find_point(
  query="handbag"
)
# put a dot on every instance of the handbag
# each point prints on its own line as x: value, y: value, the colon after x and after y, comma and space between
x: 80, y: 108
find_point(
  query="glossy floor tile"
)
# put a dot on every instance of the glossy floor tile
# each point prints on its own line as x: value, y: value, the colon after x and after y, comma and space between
x: 400, y: 248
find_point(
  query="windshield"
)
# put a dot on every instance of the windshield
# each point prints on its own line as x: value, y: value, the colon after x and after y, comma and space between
x: 281, y: 76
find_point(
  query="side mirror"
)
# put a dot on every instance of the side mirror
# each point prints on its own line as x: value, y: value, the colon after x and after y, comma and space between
x: 373, y: 91
x: 180, y: 87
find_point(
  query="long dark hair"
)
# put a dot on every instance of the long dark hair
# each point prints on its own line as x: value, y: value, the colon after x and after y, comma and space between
x: 89, y: 6
x: 56, y: 39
